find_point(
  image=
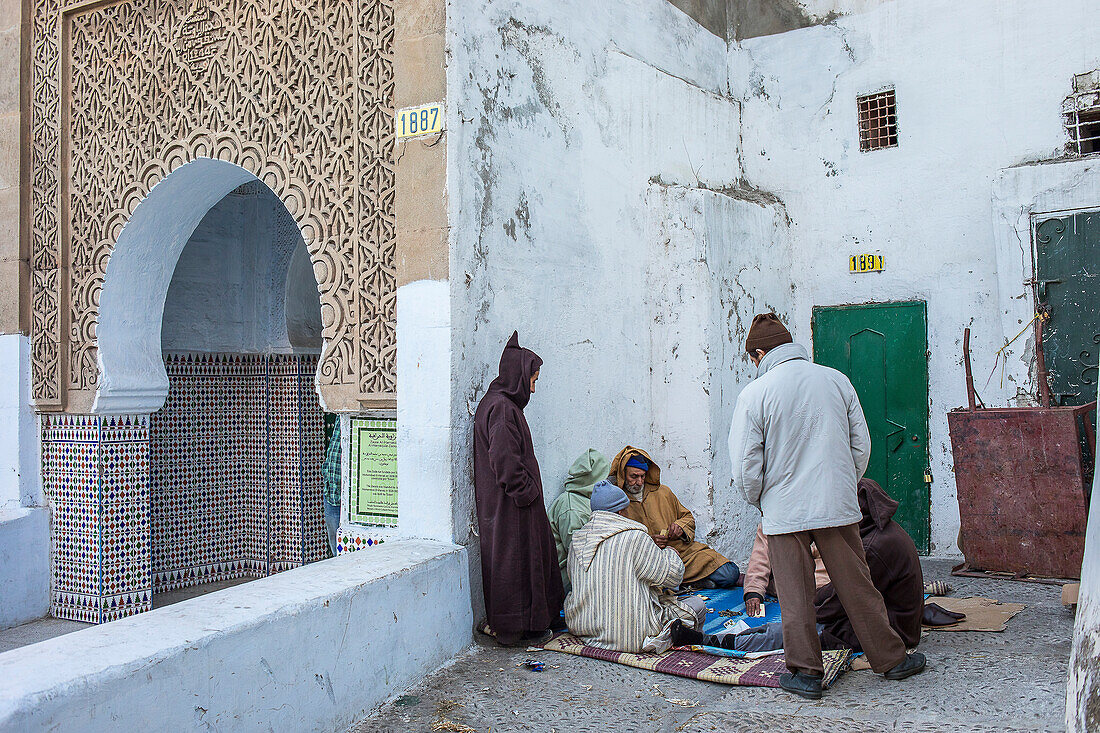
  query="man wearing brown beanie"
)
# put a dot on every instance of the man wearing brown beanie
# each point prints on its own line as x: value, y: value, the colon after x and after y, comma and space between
x: 799, y: 445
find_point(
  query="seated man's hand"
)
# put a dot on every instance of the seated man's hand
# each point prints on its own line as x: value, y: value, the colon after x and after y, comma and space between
x: 660, y: 540
x: 675, y: 532
x: 752, y: 606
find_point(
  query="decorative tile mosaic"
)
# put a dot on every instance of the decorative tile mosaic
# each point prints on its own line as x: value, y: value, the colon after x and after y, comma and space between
x: 235, y: 463
x: 350, y: 542
x: 96, y: 476
x: 76, y: 606
x: 223, y: 482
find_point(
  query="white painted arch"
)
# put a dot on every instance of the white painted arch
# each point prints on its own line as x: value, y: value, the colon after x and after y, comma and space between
x: 132, y: 378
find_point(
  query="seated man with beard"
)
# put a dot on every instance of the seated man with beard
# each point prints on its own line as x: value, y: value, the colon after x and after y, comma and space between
x: 668, y: 521
x: 895, y: 572
x: 620, y: 579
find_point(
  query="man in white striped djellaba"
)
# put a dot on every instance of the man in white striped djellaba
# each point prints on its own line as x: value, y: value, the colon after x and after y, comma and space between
x: 620, y: 598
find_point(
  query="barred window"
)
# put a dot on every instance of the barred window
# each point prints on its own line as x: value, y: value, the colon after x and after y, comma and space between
x: 878, y: 121
x: 1081, y: 115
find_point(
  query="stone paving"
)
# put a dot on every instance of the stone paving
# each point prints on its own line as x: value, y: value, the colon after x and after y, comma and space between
x: 975, y: 682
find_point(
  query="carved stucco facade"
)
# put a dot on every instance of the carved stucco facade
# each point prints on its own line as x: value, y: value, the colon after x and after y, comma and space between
x: 299, y: 94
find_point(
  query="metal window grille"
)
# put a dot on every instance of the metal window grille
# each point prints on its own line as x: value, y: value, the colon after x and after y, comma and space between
x: 878, y: 121
x: 1081, y: 115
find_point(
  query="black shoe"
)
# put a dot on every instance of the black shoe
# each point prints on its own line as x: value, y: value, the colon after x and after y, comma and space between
x: 538, y: 638
x: 913, y: 664
x: 683, y: 636
x: 677, y: 633
x: 805, y: 685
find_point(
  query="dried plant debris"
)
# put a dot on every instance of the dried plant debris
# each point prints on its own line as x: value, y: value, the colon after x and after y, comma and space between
x: 444, y: 724
x: 445, y: 706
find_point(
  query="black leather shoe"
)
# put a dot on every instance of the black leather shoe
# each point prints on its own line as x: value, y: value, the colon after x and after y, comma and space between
x: 677, y: 633
x: 913, y: 664
x: 538, y: 638
x: 683, y: 636
x: 804, y: 685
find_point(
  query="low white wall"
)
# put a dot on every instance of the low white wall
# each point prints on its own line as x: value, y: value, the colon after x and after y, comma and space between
x: 24, y: 565
x: 24, y: 521
x: 311, y: 649
x: 19, y: 464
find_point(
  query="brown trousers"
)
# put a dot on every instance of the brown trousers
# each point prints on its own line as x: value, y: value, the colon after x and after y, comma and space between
x: 841, y: 550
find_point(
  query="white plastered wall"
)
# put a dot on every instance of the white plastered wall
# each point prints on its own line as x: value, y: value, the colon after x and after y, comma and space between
x: 1083, y: 686
x: 24, y: 517
x: 715, y: 260
x: 561, y: 118
x: 232, y: 289
x: 20, y: 483
x: 979, y: 89
x: 424, y: 410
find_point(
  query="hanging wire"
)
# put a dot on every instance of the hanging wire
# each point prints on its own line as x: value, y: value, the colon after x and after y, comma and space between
x: 1000, y: 359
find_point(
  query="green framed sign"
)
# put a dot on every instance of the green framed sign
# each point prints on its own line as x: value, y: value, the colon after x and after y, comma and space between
x: 373, y: 472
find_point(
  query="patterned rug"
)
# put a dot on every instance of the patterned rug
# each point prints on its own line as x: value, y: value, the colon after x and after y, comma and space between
x: 762, y: 672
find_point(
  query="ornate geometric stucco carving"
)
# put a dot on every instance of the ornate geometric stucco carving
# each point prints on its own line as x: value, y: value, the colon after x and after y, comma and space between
x: 297, y: 92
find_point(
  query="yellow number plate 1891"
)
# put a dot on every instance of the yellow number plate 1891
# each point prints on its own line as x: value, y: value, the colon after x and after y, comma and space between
x: 865, y: 263
x: 416, y: 121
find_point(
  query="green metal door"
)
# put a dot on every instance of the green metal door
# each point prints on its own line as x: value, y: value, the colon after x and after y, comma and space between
x: 883, y: 349
x: 1067, y: 275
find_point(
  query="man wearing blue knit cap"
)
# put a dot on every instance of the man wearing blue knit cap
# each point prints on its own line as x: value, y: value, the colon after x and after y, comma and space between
x: 620, y: 579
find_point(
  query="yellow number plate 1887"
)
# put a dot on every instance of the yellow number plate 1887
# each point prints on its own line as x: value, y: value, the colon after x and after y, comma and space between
x: 416, y: 121
x: 865, y: 263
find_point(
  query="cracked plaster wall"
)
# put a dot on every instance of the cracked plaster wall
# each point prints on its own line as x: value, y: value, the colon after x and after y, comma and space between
x: 560, y: 116
x: 716, y: 259
x: 969, y: 105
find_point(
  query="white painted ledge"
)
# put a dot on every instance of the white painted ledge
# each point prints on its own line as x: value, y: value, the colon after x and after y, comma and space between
x: 24, y: 566
x: 315, y: 648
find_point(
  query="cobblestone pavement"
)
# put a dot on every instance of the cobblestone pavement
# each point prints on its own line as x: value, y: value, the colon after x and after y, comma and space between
x: 987, y: 682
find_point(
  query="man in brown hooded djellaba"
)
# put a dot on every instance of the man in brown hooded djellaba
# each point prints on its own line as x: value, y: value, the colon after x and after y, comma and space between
x: 669, y: 522
x: 519, y: 563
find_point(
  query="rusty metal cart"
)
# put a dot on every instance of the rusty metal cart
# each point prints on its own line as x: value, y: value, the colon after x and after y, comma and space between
x: 1022, y: 481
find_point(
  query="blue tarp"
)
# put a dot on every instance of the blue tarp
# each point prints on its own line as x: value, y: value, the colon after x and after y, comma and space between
x: 732, y: 600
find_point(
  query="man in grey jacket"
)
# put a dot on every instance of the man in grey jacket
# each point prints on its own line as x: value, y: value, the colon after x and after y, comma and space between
x: 799, y: 445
